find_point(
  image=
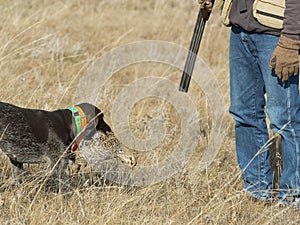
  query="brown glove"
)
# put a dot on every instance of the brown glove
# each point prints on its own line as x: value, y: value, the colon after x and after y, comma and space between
x: 285, y: 59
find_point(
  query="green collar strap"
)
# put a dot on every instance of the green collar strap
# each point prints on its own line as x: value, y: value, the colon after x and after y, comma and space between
x: 77, y: 118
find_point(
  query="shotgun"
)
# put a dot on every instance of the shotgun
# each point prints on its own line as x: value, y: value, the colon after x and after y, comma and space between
x: 203, y: 16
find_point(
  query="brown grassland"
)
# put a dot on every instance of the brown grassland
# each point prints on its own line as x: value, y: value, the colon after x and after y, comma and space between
x: 47, y: 46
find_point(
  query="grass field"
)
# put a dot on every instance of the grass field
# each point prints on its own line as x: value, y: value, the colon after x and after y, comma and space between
x: 47, y: 48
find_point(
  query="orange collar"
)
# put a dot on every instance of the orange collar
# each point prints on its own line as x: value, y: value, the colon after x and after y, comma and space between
x: 82, y: 116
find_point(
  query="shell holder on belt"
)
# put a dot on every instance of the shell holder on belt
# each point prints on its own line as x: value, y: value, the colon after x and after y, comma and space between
x: 80, y: 122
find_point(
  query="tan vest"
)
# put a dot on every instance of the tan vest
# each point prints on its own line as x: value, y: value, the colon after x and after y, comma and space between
x: 267, y: 12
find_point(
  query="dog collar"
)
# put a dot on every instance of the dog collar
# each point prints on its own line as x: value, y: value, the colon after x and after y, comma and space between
x: 80, y: 121
x: 79, y: 117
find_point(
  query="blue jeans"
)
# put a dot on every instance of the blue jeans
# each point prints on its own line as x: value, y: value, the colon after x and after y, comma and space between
x: 250, y: 79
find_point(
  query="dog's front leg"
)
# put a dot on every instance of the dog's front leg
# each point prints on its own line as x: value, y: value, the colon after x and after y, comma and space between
x: 63, y: 175
x: 17, y: 170
x: 59, y: 174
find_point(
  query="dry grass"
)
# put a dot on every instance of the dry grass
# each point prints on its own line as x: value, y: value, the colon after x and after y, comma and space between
x: 46, y: 47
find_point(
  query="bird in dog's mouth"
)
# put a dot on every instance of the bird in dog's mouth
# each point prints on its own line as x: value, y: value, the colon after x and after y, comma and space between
x: 103, y: 147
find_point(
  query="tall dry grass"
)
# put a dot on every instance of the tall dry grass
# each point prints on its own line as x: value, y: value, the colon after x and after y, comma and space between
x: 46, y: 47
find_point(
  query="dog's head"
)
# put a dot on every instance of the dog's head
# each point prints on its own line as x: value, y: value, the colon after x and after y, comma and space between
x: 93, y: 120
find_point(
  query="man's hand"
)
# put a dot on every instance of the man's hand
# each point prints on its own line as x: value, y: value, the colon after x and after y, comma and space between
x: 206, y: 4
x: 285, y: 58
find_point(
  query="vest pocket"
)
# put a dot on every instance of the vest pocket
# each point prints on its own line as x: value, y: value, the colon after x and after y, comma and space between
x: 269, y: 12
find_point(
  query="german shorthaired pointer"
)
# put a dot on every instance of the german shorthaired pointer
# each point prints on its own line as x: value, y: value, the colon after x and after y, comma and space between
x: 36, y: 136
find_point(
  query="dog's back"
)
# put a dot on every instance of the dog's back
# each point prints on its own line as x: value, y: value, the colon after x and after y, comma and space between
x: 29, y: 135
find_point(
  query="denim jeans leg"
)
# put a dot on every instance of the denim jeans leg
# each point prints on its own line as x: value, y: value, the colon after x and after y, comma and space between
x: 283, y: 108
x: 247, y: 105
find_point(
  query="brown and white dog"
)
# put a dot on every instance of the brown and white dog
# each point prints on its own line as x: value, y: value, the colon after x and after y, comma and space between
x: 36, y: 136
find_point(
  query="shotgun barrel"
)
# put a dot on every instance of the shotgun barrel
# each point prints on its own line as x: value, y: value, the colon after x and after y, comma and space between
x: 193, y: 50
